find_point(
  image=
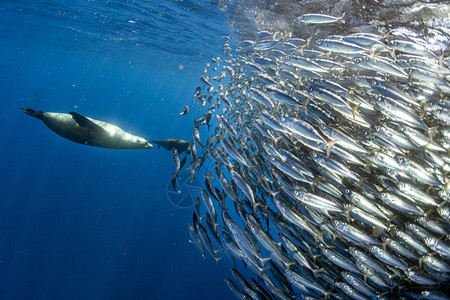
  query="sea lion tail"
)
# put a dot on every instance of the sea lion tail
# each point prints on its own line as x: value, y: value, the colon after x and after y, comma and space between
x: 35, y: 113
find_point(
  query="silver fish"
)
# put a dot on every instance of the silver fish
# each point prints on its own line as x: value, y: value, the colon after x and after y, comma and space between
x: 319, y: 18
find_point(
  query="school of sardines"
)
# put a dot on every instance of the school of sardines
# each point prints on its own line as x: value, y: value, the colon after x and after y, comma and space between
x: 331, y: 167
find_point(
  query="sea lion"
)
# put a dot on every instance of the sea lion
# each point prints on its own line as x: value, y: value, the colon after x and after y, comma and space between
x: 169, y: 144
x: 87, y: 131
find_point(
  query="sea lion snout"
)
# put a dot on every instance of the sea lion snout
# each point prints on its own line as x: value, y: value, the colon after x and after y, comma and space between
x: 146, y: 144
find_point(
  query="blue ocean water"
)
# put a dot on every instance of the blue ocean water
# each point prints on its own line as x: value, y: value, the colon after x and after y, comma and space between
x: 79, y: 222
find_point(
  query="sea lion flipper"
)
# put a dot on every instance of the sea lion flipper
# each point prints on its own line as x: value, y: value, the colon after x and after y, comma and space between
x: 85, y: 122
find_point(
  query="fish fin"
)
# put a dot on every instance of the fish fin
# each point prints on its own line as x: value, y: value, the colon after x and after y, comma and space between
x: 410, y: 77
x: 85, y: 122
x: 264, y: 260
x: 354, y: 110
x: 421, y: 261
x: 432, y: 131
x: 34, y: 113
x: 347, y: 212
x: 277, y: 139
x: 314, y: 183
x: 447, y: 186
x: 441, y: 57
x: 384, y: 244
x: 352, y: 92
x: 308, y: 40
x: 305, y: 106
x: 392, y: 53
x: 367, y: 166
x: 255, y: 207
x: 318, y: 236
x: 317, y: 271
x: 289, y: 264
x: 392, y: 227
x: 262, y: 270
x: 218, y: 259
x: 330, y: 144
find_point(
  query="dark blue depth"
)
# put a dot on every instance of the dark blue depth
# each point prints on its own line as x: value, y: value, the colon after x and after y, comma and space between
x: 78, y: 222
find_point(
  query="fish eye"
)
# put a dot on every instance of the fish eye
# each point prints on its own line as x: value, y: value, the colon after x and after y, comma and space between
x: 347, y: 191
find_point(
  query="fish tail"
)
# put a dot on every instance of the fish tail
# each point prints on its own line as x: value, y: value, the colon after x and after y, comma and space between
x: 421, y: 259
x: 34, y: 113
x: 317, y: 271
x: 330, y: 144
x: 218, y: 259
x: 305, y: 106
x: 354, y: 110
x: 289, y: 264
x: 367, y: 166
x: 264, y: 260
x: 264, y: 270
